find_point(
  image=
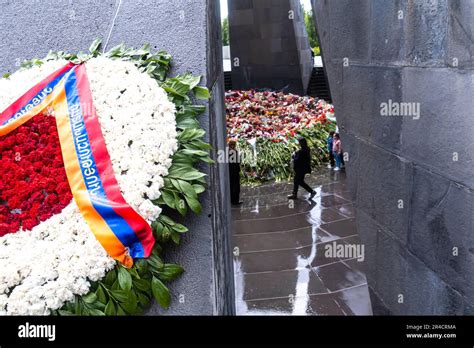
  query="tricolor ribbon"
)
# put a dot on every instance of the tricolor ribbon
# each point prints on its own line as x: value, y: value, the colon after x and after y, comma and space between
x: 122, y: 232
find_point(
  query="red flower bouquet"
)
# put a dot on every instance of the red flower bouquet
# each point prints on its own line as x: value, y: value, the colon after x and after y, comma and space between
x: 33, y: 182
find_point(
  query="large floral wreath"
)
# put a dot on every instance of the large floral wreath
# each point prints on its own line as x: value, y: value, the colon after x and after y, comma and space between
x: 50, y: 262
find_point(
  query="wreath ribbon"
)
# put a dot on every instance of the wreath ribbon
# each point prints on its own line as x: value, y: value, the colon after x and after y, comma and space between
x: 122, y: 232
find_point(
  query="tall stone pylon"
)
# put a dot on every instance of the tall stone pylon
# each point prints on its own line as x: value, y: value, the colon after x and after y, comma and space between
x: 269, y: 45
x: 402, y: 80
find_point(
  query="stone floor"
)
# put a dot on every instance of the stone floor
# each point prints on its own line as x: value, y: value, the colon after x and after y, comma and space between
x: 280, y: 260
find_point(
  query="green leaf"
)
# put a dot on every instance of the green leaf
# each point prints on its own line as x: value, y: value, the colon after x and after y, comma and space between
x: 89, y: 298
x: 100, y: 293
x: 191, y: 134
x: 181, y: 205
x: 110, y: 277
x: 120, y: 311
x: 139, y: 52
x: 64, y: 312
x: 115, y: 51
x: 130, y: 306
x: 194, y: 204
x: 175, y: 237
x: 198, y: 153
x: 180, y: 228
x: 143, y: 299
x: 201, y: 93
x: 186, y: 174
x: 198, y: 188
x: 110, y: 308
x: 207, y: 159
x: 98, y: 305
x: 166, y: 233
x: 155, y: 263
x: 190, y: 80
x: 202, y: 180
x: 198, y: 144
x: 167, y: 220
x: 177, y: 87
x: 168, y: 198
x: 120, y: 295
x: 124, y: 279
x: 160, y: 293
x: 186, y: 122
x: 95, y: 46
x: 96, y: 312
x: 133, y: 271
x: 191, y: 110
x: 77, y: 306
x: 141, y: 284
x: 171, y: 271
x: 157, y: 227
x: 187, y: 189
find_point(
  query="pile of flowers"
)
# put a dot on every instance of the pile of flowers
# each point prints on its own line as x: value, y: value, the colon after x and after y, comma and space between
x: 50, y: 261
x: 267, y: 126
x: 273, y: 115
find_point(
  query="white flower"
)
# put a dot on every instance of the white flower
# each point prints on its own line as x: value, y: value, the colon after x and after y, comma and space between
x: 43, y: 268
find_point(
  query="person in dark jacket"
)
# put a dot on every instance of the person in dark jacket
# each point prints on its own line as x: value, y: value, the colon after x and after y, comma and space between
x: 234, y: 173
x: 301, y: 166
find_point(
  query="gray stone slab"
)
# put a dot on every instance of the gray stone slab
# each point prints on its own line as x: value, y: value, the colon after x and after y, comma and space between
x: 239, y: 5
x: 468, y: 308
x: 426, y: 31
x: 343, y: 42
x: 387, y: 29
x: 443, y: 239
x: 175, y: 26
x: 30, y: 30
x: 408, y: 286
x: 444, y: 129
x: 350, y: 146
x: 368, y: 231
x: 242, y: 17
x: 384, y: 188
x: 460, y: 44
x: 361, y: 110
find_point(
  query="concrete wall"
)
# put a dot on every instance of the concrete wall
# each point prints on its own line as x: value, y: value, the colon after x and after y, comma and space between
x: 191, y: 33
x: 408, y: 51
x: 269, y: 39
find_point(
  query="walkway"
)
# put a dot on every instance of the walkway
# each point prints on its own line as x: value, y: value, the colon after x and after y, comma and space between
x: 280, y: 260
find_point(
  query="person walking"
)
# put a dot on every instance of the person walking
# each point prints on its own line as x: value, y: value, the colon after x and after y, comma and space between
x: 301, y: 166
x: 329, y: 142
x: 234, y: 172
x: 337, y: 151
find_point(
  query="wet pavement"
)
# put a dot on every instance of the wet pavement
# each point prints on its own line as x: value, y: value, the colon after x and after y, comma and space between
x: 299, y: 257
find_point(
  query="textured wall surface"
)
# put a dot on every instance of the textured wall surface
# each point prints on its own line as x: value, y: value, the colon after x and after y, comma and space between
x: 190, y: 31
x: 413, y: 176
x: 269, y: 39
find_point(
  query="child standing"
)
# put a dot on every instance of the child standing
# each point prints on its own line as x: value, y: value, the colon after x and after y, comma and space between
x: 337, y: 151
